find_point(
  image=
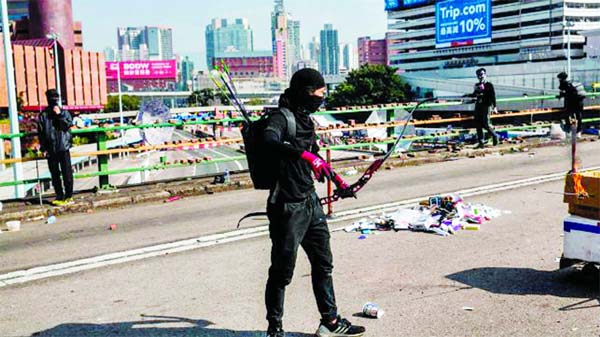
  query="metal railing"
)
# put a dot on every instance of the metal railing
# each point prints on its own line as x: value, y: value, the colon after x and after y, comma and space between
x: 103, y: 153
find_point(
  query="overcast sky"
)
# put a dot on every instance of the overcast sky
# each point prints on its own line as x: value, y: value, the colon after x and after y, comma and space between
x: 189, y: 18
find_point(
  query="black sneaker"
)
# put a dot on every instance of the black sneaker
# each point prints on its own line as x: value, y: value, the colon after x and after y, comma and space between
x: 275, y: 331
x: 341, y: 328
x: 495, y: 140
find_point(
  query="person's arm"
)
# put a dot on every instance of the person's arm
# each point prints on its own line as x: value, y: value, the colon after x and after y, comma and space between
x: 41, y: 126
x: 492, y: 93
x: 64, y: 119
x: 274, y: 138
x: 472, y: 95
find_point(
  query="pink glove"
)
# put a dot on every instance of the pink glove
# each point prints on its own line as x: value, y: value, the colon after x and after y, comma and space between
x: 319, y: 167
x: 339, y: 182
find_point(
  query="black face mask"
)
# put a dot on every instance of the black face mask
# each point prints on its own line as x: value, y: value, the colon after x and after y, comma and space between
x: 52, y: 102
x: 312, y: 103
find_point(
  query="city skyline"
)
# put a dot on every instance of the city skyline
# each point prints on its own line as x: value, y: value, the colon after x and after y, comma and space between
x: 188, y: 19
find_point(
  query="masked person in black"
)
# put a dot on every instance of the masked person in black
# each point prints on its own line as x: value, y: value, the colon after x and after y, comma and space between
x: 296, y: 217
x: 55, y: 142
x: 485, y: 102
x: 573, y: 108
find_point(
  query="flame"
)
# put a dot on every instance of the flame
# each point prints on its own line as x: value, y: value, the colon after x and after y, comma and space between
x: 578, y: 187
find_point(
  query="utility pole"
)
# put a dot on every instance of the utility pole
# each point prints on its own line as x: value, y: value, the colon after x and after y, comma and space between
x: 12, y: 102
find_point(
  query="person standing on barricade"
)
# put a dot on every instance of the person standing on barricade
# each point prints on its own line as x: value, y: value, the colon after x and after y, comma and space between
x: 55, y: 142
x: 574, y: 94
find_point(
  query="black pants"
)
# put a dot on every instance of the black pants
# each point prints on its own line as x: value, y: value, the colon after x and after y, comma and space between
x: 291, y: 225
x: 482, y: 122
x: 58, y: 163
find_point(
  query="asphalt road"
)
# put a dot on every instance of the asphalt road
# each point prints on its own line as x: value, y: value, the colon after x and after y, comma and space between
x: 506, y: 272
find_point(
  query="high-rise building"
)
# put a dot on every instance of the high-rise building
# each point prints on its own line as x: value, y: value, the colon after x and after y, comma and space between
x: 186, y: 67
x: 349, y: 61
x: 222, y: 35
x: 285, y: 38
x: 372, y: 51
x: 110, y: 54
x: 313, y: 49
x: 329, y: 61
x: 145, y: 43
x: 280, y: 40
x: 528, y: 42
x: 295, y: 48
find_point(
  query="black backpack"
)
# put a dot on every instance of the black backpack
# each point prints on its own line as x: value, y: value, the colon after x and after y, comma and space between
x: 263, y: 165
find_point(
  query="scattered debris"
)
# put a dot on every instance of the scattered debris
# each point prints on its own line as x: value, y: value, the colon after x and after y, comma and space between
x: 173, y: 198
x: 468, y: 308
x: 13, y: 226
x: 51, y: 219
x: 439, y: 215
x: 372, y: 310
x: 112, y: 227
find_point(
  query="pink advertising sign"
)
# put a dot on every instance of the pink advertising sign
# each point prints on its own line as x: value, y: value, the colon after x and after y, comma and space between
x: 141, y: 70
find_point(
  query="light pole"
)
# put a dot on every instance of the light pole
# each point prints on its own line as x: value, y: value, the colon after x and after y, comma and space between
x: 12, y: 103
x: 53, y: 36
x: 568, y: 25
x: 120, y: 101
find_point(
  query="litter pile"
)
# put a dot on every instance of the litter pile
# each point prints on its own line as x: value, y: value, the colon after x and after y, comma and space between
x: 442, y: 215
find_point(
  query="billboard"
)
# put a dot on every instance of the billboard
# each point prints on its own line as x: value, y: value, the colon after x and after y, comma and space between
x: 140, y: 70
x: 463, y: 22
x: 399, y: 4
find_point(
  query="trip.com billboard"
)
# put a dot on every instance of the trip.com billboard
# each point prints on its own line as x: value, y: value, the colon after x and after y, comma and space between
x: 140, y: 70
x: 463, y: 22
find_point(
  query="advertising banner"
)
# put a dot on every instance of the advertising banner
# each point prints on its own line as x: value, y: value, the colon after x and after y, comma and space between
x: 137, y: 70
x: 463, y: 22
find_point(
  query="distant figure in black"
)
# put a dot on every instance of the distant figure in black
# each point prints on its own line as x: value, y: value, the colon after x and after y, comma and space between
x: 574, y: 94
x: 55, y: 142
x: 485, y: 102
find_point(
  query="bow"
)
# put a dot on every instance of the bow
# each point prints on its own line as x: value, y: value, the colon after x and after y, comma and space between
x: 364, y: 179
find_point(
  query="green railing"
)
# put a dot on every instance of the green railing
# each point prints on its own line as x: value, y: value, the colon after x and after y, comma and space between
x: 104, y: 172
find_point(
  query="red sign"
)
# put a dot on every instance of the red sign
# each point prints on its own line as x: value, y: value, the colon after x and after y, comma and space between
x: 136, y: 70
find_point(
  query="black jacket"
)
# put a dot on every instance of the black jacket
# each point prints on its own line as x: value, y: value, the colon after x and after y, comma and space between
x: 484, y: 98
x: 295, y: 180
x: 573, y: 102
x: 53, y: 131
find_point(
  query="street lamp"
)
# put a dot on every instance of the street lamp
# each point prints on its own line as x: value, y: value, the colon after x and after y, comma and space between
x: 568, y: 24
x: 53, y: 36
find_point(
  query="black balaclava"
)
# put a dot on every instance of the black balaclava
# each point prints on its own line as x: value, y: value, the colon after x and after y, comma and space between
x: 303, y: 82
x: 52, y: 97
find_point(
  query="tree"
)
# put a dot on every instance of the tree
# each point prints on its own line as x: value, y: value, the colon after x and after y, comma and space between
x: 370, y: 84
x: 129, y: 103
x: 201, y: 97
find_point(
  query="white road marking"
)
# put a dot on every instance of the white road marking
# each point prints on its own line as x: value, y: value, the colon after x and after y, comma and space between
x: 37, y: 273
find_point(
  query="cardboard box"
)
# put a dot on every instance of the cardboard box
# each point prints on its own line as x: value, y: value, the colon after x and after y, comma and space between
x: 585, y: 211
x: 591, y: 184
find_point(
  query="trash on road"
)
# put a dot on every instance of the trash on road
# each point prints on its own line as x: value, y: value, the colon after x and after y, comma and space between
x: 440, y: 215
x: 173, y: 198
x: 13, y: 226
x: 112, y: 227
x: 468, y: 309
x: 372, y: 310
x: 51, y: 219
